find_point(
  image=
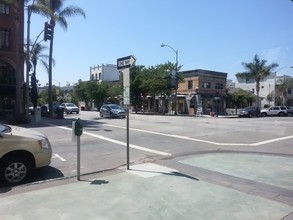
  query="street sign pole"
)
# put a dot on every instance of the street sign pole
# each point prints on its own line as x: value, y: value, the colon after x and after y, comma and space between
x: 124, y: 64
x: 126, y: 101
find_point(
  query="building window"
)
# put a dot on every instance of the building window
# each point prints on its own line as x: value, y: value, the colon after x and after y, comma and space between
x: 4, y: 9
x: 190, y: 84
x: 100, y: 76
x: 289, y: 91
x: 219, y: 86
x: 206, y: 85
x: 4, y: 39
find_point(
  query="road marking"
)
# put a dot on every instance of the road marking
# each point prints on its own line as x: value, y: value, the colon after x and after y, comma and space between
x: 205, y: 141
x: 58, y: 156
x: 120, y: 142
x: 272, y: 140
x: 179, y: 137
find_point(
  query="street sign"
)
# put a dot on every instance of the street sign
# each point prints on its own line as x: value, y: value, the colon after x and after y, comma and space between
x: 126, y: 95
x: 125, y: 62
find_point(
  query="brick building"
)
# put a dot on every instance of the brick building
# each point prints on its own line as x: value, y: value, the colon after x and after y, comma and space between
x: 202, y: 91
x: 11, y: 61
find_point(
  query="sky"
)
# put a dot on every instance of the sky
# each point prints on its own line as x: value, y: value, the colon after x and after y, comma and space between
x: 208, y: 34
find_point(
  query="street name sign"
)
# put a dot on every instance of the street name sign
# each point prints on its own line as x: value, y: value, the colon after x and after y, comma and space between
x: 125, y: 62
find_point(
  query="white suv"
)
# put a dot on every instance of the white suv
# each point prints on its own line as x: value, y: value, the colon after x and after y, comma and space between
x: 274, y: 111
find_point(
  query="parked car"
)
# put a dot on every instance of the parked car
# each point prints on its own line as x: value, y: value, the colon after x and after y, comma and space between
x: 21, y: 151
x: 274, y: 111
x: 69, y: 108
x: 289, y: 110
x: 250, y: 111
x: 112, y: 110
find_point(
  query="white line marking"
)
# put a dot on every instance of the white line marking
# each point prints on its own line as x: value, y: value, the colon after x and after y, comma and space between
x: 272, y: 140
x: 207, y: 142
x: 181, y: 137
x: 120, y: 142
x: 58, y: 156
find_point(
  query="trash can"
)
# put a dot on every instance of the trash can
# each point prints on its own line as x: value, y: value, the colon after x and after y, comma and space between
x: 60, y: 112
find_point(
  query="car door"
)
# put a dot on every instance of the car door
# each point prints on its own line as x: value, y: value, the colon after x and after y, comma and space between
x: 273, y: 110
x: 104, y: 110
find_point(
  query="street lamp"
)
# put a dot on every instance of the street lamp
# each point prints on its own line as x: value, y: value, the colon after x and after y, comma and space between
x: 29, y: 13
x: 276, y: 80
x: 176, y: 70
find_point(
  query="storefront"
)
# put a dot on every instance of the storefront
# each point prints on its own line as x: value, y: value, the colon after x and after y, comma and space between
x: 7, y: 90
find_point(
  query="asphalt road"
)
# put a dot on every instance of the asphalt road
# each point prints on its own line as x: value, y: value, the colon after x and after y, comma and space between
x: 153, y: 138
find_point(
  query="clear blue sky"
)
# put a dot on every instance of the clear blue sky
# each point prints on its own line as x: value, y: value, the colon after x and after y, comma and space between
x: 209, y: 34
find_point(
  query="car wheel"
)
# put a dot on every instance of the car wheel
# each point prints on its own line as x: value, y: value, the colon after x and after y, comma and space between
x: 281, y: 114
x: 77, y: 112
x: 14, y: 170
x: 263, y: 114
x: 111, y: 115
x: 290, y: 114
x: 101, y: 115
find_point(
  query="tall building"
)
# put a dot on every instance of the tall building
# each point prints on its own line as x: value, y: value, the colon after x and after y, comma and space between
x: 107, y: 72
x: 12, y: 61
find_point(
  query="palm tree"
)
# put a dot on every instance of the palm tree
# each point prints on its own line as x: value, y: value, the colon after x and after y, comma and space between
x: 54, y: 10
x: 282, y: 91
x: 257, y: 70
x: 36, y: 54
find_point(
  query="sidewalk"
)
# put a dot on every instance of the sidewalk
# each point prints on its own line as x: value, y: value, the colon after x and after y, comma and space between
x: 211, y: 186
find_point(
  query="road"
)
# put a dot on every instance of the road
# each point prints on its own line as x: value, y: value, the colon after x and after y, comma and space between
x: 153, y: 138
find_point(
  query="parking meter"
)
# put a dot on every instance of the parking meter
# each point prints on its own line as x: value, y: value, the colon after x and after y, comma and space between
x: 78, y: 128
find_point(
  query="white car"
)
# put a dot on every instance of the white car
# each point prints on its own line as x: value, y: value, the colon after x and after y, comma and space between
x: 69, y: 108
x: 274, y: 111
x: 21, y: 151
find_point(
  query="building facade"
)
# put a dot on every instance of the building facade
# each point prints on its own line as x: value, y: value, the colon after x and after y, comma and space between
x: 202, y: 92
x: 267, y: 89
x: 12, y: 61
x: 107, y: 72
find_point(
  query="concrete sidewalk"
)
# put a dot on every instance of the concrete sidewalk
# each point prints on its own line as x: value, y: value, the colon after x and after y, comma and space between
x: 220, y: 186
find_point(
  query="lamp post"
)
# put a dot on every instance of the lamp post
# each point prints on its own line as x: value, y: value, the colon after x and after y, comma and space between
x: 275, y: 78
x: 29, y: 13
x: 176, y: 70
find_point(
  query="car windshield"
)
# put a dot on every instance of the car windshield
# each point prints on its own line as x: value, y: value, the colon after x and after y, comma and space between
x: 115, y: 107
x: 5, y: 128
x: 70, y: 105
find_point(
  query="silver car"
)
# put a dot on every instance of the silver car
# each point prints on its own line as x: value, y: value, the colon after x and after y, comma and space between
x: 69, y: 108
x: 112, y: 110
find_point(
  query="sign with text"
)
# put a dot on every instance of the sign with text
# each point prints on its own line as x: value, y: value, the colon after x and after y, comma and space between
x: 125, y: 62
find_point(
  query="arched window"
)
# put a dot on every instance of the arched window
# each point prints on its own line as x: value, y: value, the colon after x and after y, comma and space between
x: 7, y: 74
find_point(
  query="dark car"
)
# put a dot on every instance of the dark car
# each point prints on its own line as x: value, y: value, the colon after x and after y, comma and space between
x: 112, y: 110
x: 250, y: 111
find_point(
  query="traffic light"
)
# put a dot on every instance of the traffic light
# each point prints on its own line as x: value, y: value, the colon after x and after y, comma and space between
x: 48, y: 31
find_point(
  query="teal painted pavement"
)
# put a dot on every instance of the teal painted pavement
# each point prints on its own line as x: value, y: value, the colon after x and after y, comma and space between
x: 148, y: 191
x: 273, y: 170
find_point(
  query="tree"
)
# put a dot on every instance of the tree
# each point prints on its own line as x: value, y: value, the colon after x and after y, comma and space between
x: 242, y: 98
x: 54, y: 10
x: 36, y: 54
x: 89, y: 91
x: 282, y: 90
x: 257, y: 70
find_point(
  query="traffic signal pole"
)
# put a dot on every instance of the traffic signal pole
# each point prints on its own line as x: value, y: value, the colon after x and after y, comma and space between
x: 49, y: 35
